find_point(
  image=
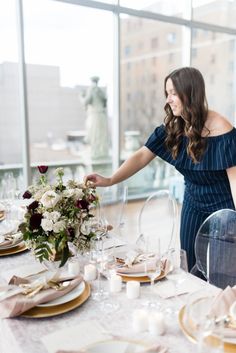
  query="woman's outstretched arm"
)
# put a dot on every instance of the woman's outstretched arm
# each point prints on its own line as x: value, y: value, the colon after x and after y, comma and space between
x: 132, y: 165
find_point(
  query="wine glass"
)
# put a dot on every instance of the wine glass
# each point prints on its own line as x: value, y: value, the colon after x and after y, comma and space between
x: 97, y: 258
x: 109, y: 269
x: 208, y: 333
x: 178, y: 275
x: 152, y: 265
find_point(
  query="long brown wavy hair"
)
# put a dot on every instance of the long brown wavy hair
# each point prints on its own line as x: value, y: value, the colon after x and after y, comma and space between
x: 190, y: 88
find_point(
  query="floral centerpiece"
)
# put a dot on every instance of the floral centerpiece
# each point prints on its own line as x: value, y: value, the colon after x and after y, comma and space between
x: 60, y: 214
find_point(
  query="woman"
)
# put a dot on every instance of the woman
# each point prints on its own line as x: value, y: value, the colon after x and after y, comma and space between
x: 200, y: 143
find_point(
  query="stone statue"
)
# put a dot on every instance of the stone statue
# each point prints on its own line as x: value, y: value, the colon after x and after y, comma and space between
x: 97, y: 136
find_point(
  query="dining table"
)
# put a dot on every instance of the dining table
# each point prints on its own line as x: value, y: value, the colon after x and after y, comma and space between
x: 45, y: 334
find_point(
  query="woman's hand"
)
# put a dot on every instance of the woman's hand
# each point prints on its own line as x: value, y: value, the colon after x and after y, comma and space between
x: 98, y: 180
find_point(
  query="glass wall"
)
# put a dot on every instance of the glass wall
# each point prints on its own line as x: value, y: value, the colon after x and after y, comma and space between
x: 163, y: 7
x: 214, y: 55
x: 149, y: 51
x: 92, y: 66
x: 10, y: 123
x: 69, y: 68
x: 220, y: 12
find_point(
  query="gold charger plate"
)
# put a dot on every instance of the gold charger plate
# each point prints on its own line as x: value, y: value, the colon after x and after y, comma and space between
x: 141, y: 279
x: 228, y: 347
x: 42, y: 312
x: 14, y: 250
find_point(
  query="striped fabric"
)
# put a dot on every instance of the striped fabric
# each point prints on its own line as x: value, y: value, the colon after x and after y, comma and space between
x: 207, y: 186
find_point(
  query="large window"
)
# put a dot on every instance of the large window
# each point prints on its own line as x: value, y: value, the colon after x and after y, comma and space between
x: 163, y: 7
x: 218, y: 68
x: 156, y: 48
x: 10, y: 123
x: 94, y: 78
x: 67, y: 49
x: 221, y: 12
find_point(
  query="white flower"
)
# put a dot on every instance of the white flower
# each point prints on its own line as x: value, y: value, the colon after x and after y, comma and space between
x: 86, y: 227
x: 50, y: 199
x: 53, y: 216
x: 75, y: 193
x: 78, y: 193
x: 68, y: 193
x: 39, y: 193
x: 47, y: 224
x: 58, y: 226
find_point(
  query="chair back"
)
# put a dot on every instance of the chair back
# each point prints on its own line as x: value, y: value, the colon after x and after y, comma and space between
x: 215, y: 248
x: 158, y: 216
x: 112, y: 202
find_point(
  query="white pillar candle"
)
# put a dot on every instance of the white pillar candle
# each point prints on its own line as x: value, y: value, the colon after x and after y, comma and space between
x: 90, y: 272
x: 115, y: 283
x: 156, y: 324
x: 140, y: 320
x: 73, y: 268
x: 132, y: 289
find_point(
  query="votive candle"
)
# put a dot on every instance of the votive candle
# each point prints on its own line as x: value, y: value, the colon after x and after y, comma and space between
x: 115, y: 283
x: 156, y: 324
x: 140, y: 320
x: 90, y: 272
x: 132, y: 289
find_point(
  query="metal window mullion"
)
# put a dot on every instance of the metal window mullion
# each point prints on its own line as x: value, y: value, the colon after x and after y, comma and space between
x: 152, y: 16
x: 23, y: 96
x: 116, y: 126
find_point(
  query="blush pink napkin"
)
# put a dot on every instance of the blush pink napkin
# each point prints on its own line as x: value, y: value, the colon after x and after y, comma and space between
x: 140, y: 267
x: 223, y: 301
x: 10, y: 241
x: 20, y: 303
x: 221, y: 305
x: 6, y: 242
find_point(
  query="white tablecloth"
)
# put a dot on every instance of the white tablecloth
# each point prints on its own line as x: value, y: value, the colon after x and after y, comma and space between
x: 21, y: 335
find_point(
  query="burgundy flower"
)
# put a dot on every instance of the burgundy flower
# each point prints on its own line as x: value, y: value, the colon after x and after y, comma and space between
x: 35, y: 221
x: 27, y: 195
x: 83, y: 204
x: 33, y: 205
x: 71, y: 232
x: 42, y: 169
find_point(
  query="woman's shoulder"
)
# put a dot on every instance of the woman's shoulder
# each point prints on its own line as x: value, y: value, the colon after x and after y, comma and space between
x: 216, y: 125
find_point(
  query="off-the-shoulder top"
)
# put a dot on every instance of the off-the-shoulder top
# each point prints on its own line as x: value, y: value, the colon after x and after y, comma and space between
x: 207, y: 185
x: 220, y: 152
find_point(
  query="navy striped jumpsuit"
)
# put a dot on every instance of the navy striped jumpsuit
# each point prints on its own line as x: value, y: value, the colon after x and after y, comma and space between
x: 207, y: 187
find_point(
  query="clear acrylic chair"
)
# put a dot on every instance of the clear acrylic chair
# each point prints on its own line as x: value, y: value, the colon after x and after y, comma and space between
x: 159, y: 216
x: 112, y: 201
x: 215, y: 248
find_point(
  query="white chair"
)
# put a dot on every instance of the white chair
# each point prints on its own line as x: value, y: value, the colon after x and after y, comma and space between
x: 215, y: 248
x: 158, y: 216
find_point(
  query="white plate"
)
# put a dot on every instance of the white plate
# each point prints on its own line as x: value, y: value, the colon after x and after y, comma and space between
x: 138, y: 274
x: 67, y: 297
x: 116, y: 346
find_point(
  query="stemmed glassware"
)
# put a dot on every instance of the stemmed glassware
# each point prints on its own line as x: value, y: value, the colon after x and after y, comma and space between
x: 208, y: 333
x: 99, y: 227
x: 179, y: 264
x: 152, y: 266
